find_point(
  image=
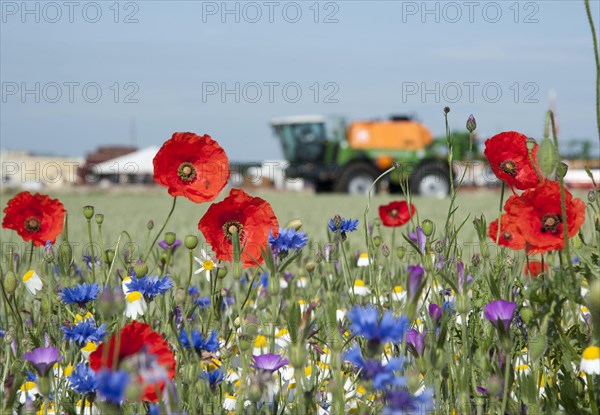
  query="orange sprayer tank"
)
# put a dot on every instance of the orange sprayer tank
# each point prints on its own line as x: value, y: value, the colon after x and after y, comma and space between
x: 389, y: 135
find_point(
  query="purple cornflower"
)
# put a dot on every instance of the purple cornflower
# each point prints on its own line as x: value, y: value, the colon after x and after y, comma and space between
x: 500, y: 312
x: 269, y: 362
x: 164, y: 245
x: 435, y: 312
x: 43, y: 358
x: 415, y: 342
x: 415, y: 281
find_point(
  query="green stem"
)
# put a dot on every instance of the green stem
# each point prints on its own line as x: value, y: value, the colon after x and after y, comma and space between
x: 192, y: 269
x: 101, y: 250
x: 161, y: 229
x: 500, y: 214
x: 591, y: 395
x: 597, y: 58
x: 93, y: 258
x: 506, y: 373
x: 30, y: 255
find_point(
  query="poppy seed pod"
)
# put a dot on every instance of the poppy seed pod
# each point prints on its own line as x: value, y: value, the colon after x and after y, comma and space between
x: 170, y: 238
x: 191, y: 241
x: 88, y: 212
x: 99, y: 218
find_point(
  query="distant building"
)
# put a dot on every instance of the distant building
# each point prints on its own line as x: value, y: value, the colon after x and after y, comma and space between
x: 28, y: 171
x: 87, y: 172
x: 132, y: 167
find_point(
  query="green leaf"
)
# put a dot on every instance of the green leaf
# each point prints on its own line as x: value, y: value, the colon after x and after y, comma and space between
x: 547, y: 157
x: 537, y: 346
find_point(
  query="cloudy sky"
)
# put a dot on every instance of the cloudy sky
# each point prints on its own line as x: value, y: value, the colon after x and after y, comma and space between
x: 75, y: 75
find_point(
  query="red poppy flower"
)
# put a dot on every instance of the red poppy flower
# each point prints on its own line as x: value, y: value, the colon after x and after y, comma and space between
x: 192, y: 166
x: 510, y: 235
x: 509, y: 159
x: 142, y: 349
x: 396, y: 213
x: 253, y: 218
x: 537, y: 213
x: 534, y: 268
x: 36, y: 218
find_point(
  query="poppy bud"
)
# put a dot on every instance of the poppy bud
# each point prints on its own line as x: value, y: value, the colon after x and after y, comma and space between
x: 150, y: 225
x: 471, y: 123
x: 400, y: 252
x: 377, y: 241
x: 530, y: 143
x: 593, y: 299
x: 476, y: 260
x: 10, y: 282
x: 140, y: 268
x: 295, y: 224
x: 254, y: 393
x: 427, y: 227
x: 526, y: 314
x: 561, y: 170
x: 244, y: 344
x: 396, y: 164
x: 191, y: 242
x: 109, y: 256
x: 65, y: 256
x: 310, y: 266
x: 385, y: 250
x: 170, y: 238
x: 377, y: 222
x: 222, y: 272
x: 446, y: 110
x: 88, y: 212
x: 99, y: 218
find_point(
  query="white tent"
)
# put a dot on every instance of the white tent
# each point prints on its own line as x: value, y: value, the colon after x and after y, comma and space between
x: 136, y: 163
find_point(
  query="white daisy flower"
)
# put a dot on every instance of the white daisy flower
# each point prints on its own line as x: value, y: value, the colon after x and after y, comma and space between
x: 89, y: 408
x: 590, y: 360
x: 135, y: 305
x: 363, y: 260
x: 124, y: 284
x: 360, y: 289
x: 398, y: 294
x: 207, y: 264
x: 32, y: 281
x: 28, y: 392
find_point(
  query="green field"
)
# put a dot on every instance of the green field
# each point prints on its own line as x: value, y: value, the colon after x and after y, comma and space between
x: 131, y: 210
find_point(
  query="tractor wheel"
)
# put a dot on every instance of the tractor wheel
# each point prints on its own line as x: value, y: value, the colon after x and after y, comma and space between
x: 323, y: 186
x: 356, y: 179
x: 430, y: 179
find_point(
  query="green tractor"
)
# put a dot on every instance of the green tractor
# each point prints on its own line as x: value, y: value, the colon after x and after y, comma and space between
x: 347, y: 158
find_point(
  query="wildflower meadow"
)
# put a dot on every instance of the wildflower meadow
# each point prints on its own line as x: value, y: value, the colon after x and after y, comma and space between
x: 244, y: 312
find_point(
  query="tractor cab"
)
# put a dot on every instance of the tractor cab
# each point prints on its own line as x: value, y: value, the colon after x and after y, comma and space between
x: 308, y: 138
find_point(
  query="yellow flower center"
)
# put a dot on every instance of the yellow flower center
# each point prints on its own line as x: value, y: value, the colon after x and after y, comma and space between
x: 398, y: 289
x: 28, y: 275
x: 133, y: 296
x: 359, y: 283
x: 591, y: 353
x: 208, y: 265
x: 89, y: 347
x: 261, y: 341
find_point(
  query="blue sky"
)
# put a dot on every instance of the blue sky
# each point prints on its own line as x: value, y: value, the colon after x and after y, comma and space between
x: 360, y: 59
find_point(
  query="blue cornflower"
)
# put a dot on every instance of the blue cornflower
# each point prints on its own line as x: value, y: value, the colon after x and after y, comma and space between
x: 31, y: 377
x: 111, y: 385
x: 153, y: 409
x: 83, y: 379
x: 214, y: 377
x: 337, y: 223
x: 193, y: 291
x: 365, y: 322
x: 288, y: 239
x: 401, y: 402
x: 80, y: 294
x: 199, y: 343
x: 87, y: 259
x: 2, y: 332
x: 84, y: 332
x: 202, y: 302
x: 380, y: 375
x: 150, y: 287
